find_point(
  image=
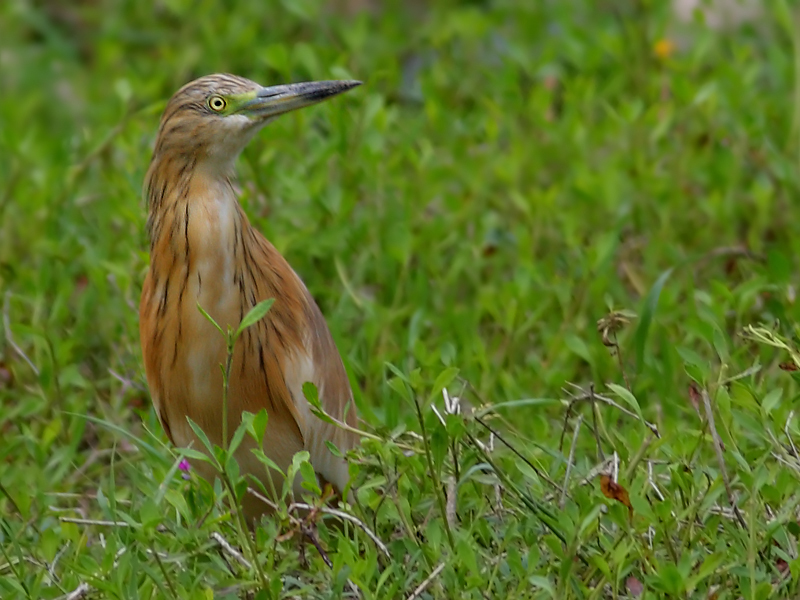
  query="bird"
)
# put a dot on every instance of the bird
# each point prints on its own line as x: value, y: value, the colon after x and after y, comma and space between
x: 205, y: 252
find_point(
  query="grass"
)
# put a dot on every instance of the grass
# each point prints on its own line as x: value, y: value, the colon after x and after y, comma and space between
x: 578, y: 218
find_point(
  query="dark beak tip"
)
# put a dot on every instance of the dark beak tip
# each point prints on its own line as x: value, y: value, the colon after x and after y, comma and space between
x: 302, y: 94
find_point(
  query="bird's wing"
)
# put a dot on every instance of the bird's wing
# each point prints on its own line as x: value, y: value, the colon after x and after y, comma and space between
x: 322, y: 365
x: 308, y: 353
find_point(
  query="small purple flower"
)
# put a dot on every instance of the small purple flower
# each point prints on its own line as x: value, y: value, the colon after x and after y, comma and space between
x: 185, y: 467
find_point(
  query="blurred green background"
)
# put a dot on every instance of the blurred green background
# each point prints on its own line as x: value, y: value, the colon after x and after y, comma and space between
x: 510, y: 173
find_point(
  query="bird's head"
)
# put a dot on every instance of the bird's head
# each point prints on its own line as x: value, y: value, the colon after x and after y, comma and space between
x: 211, y: 119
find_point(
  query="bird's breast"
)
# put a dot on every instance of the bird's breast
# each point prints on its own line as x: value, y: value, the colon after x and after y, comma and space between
x: 193, y: 264
x: 211, y: 273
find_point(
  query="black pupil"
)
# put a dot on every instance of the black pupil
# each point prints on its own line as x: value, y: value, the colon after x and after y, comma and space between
x: 216, y: 103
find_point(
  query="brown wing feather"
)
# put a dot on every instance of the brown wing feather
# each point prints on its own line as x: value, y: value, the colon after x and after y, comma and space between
x: 336, y: 398
x: 313, y: 358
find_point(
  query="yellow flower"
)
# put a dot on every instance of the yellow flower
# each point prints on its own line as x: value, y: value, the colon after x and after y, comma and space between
x: 664, y: 48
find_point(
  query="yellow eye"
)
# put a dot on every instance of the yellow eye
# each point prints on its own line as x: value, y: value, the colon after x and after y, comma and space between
x: 217, y: 103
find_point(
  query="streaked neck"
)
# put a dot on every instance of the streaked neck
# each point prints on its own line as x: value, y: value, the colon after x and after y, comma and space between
x: 193, y: 216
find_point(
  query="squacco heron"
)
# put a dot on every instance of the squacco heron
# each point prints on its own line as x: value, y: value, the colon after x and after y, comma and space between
x: 203, y: 250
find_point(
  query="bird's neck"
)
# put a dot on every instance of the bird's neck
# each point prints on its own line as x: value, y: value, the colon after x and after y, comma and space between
x: 195, y: 223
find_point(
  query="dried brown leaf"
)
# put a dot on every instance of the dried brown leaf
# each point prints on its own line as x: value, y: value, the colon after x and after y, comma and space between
x: 615, y: 491
x: 695, y: 396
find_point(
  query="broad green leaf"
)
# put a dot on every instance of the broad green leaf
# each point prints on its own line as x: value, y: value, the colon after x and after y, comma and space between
x: 232, y: 467
x: 312, y: 395
x: 300, y: 457
x: 256, y: 424
x: 691, y: 357
x: 178, y: 500
x: 443, y: 380
x: 237, y: 438
x: 201, y: 435
x: 578, y: 346
x: 629, y: 399
x: 398, y: 373
x: 258, y: 312
x: 399, y: 386
x: 210, y: 318
x: 333, y: 449
x: 149, y: 513
x: 195, y: 455
x: 309, y: 478
x: 542, y: 583
x: 266, y: 460
x: 771, y: 400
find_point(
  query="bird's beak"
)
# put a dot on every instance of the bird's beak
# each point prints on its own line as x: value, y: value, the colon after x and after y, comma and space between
x: 279, y: 99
